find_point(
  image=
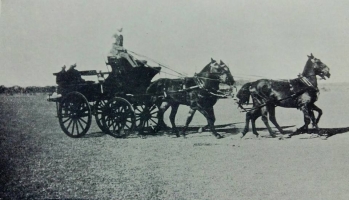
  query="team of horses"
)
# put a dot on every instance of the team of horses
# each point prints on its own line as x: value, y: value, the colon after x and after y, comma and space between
x: 201, y: 93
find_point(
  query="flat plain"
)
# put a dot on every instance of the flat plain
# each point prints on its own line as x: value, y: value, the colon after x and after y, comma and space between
x: 38, y: 161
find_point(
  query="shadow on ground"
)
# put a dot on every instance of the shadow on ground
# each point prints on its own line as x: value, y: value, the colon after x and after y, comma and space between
x: 94, y: 135
x: 328, y: 132
x: 225, y: 129
x: 334, y: 131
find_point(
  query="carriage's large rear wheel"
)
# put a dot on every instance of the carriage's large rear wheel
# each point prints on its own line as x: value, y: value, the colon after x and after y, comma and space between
x: 98, y: 113
x: 118, y: 117
x: 74, y: 115
x: 147, y: 117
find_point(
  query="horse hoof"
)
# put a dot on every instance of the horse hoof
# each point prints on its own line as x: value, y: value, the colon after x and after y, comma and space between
x: 219, y: 136
x: 183, y: 133
x: 143, y: 137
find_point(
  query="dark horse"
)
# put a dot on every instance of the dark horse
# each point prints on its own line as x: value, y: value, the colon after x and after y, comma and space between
x: 298, y: 93
x: 199, y: 92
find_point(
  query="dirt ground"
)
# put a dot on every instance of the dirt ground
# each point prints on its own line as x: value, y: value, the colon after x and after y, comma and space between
x: 38, y: 161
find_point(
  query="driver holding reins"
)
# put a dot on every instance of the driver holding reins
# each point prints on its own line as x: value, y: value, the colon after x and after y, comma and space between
x: 117, y: 51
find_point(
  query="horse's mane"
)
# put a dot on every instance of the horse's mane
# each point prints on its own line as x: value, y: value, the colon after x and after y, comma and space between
x: 308, y: 66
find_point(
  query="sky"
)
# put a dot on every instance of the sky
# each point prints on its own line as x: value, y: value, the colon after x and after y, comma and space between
x: 257, y: 39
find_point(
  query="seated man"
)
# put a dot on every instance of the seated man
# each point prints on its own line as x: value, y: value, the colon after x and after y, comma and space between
x: 73, y: 75
x: 117, y: 51
x: 61, y: 77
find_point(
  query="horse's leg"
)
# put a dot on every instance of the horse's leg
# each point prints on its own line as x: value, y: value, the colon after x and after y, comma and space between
x: 312, y: 116
x: 162, y: 109
x: 272, y: 118
x: 317, y: 109
x: 174, y: 109
x: 247, y: 124
x: 307, y: 119
x: 210, y: 117
x: 251, y: 116
x: 189, y: 118
x: 264, y: 112
x: 254, y: 116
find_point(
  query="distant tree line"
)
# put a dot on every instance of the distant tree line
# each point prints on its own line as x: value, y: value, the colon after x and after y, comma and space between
x: 26, y: 90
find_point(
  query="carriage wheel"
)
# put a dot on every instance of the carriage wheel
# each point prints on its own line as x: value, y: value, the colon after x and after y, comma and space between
x: 98, y: 115
x: 118, y: 117
x: 74, y: 115
x: 147, y: 117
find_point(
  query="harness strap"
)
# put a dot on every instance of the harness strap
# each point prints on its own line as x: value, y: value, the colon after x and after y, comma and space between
x: 306, y: 81
x: 200, y: 84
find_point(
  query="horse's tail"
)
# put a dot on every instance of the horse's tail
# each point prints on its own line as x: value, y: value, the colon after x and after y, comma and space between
x: 244, y: 94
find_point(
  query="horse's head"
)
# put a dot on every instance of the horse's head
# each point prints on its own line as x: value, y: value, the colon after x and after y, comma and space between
x: 320, y: 68
x: 227, y: 77
x: 214, y: 73
x: 217, y: 71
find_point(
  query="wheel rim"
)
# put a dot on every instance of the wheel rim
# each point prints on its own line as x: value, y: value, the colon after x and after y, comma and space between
x: 118, y: 117
x: 74, y: 115
x: 98, y: 115
x: 147, y: 117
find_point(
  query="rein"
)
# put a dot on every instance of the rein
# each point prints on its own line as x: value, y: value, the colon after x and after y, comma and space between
x: 200, y: 84
x: 303, y: 79
x: 211, y: 79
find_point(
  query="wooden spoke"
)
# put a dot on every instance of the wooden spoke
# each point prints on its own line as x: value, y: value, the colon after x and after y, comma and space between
x: 146, y: 116
x: 74, y: 115
x: 118, y: 117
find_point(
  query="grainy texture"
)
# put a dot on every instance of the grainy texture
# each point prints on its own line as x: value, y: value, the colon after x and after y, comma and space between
x: 39, y: 161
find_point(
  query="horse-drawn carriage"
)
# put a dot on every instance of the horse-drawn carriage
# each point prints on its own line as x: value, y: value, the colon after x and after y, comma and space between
x: 127, y: 99
x: 118, y: 102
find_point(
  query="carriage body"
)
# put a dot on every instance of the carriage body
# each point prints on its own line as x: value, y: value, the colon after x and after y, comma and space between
x: 118, y: 102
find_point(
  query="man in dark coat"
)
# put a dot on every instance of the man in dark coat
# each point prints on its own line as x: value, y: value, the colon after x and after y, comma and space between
x: 73, y: 75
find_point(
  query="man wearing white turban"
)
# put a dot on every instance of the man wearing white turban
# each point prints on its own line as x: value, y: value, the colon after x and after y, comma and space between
x: 118, y: 50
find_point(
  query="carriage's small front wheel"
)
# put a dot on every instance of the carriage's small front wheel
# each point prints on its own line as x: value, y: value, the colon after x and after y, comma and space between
x: 147, y: 117
x: 74, y: 115
x: 118, y: 117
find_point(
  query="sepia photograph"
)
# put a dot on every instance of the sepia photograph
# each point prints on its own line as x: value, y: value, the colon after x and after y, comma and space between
x: 174, y: 99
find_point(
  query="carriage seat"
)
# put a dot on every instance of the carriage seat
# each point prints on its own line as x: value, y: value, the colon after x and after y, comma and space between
x: 71, y: 77
x: 141, y: 62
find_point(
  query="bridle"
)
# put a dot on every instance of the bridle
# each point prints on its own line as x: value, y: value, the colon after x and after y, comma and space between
x: 304, y: 79
x: 315, y: 66
x: 199, y: 80
x: 219, y: 73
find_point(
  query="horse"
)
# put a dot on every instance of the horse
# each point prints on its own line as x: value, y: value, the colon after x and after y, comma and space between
x: 199, y: 93
x: 300, y: 93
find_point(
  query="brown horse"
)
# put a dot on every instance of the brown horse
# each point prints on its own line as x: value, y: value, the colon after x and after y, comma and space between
x: 300, y: 93
x: 199, y: 93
